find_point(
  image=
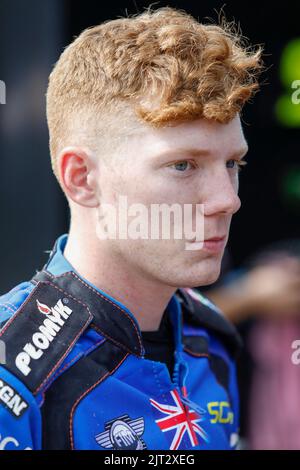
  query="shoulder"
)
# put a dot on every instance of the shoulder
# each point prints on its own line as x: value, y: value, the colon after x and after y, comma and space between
x: 12, y: 300
x: 40, y: 325
x: 200, y: 313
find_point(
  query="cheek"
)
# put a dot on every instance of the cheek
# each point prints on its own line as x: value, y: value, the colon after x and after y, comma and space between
x: 174, y: 266
x: 235, y: 182
x: 148, y: 191
x: 173, y: 191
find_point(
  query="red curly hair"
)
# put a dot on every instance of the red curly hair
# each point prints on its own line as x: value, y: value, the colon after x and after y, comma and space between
x: 165, y: 64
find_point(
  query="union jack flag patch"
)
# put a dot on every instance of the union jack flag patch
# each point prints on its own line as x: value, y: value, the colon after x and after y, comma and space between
x: 180, y: 422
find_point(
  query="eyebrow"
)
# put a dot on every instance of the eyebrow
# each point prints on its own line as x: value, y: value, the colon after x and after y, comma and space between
x: 196, y: 152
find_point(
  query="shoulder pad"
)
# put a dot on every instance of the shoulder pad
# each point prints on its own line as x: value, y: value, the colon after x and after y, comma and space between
x: 42, y: 331
x: 200, y: 311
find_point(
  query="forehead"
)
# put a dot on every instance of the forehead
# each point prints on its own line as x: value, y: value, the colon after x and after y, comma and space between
x: 199, y: 134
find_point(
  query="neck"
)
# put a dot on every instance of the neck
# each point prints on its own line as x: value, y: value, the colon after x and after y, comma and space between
x: 146, y: 299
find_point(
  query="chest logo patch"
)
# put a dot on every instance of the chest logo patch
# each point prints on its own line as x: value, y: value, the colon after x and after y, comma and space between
x: 122, y: 433
x: 180, y: 422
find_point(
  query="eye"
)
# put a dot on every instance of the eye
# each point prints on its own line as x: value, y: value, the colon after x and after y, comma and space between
x: 181, y: 166
x: 236, y: 163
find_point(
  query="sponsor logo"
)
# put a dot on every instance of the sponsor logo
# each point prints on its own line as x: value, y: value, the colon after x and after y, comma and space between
x: 220, y: 412
x: 43, y: 308
x: 6, y: 441
x: 43, y: 337
x: 122, y: 433
x: 12, y: 400
x: 179, y: 421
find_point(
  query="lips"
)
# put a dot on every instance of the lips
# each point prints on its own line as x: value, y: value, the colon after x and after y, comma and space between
x: 215, y: 239
x: 215, y: 244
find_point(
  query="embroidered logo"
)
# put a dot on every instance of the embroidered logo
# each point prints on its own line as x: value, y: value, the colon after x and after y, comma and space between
x: 122, y: 433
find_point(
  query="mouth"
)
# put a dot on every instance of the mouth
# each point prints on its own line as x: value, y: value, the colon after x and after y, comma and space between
x: 215, y: 239
x: 214, y: 244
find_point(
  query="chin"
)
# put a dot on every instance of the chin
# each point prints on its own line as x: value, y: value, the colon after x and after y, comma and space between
x: 202, y: 281
x: 196, y: 279
x: 209, y: 280
x: 205, y: 273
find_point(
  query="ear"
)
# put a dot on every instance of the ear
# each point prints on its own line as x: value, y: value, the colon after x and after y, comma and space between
x: 77, y: 175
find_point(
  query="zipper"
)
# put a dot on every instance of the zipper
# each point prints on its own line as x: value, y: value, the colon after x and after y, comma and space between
x: 181, y: 368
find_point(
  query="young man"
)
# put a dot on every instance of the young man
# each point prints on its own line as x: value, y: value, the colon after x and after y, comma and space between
x: 109, y: 347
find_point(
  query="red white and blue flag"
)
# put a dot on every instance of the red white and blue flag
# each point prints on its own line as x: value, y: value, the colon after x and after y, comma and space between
x: 181, y: 419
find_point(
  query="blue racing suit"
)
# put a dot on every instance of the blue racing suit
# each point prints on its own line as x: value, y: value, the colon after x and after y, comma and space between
x: 75, y: 374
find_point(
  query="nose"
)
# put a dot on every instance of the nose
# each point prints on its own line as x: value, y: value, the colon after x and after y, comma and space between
x: 222, y: 195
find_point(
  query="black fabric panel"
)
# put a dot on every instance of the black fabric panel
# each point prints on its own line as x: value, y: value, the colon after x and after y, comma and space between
x: 199, y: 314
x: 160, y: 345
x: 33, y: 355
x: 69, y: 387
x: 196, y: 344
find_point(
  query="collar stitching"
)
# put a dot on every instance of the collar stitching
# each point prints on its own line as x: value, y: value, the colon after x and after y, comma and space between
x: 113, y: 340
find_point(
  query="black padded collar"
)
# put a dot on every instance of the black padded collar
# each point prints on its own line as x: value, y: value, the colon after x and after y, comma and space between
x: 198, y: 314
x: 110, y: 320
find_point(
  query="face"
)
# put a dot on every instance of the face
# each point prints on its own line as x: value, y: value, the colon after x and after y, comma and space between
x: 192, y: 163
